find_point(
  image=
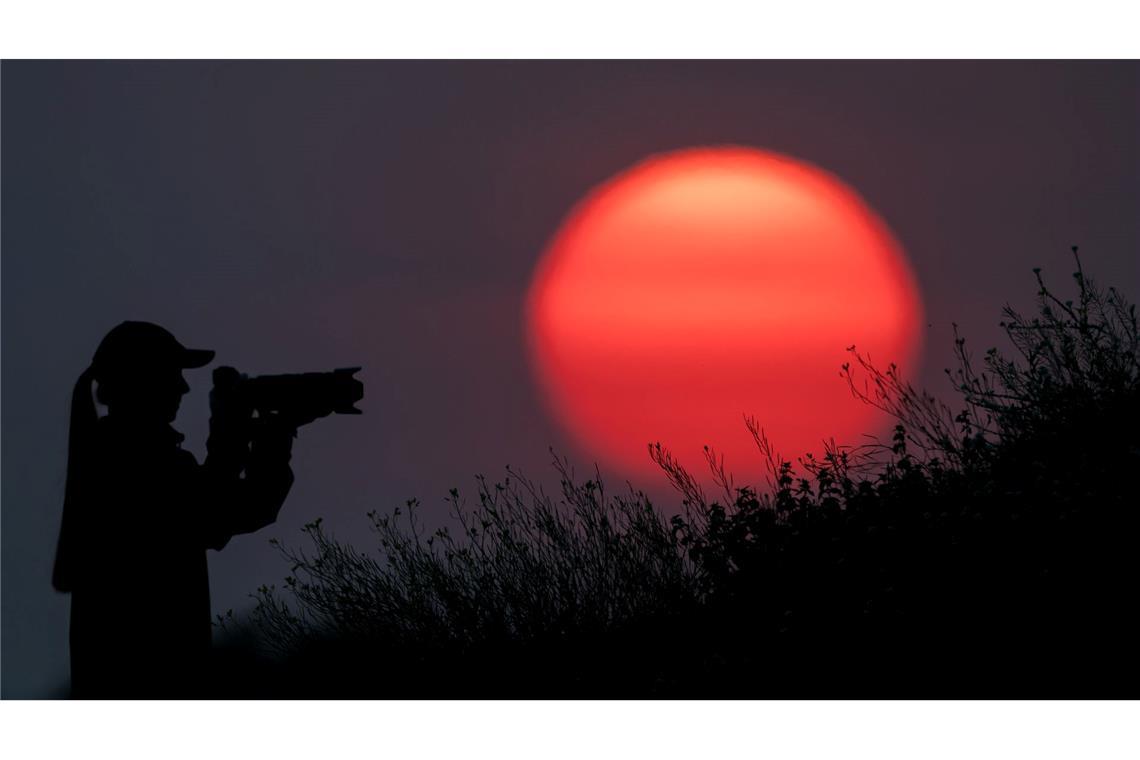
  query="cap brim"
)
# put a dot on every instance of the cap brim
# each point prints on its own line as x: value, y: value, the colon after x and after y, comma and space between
x: 196, y: 357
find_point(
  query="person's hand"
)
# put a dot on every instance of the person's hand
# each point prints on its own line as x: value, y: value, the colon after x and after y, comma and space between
x: 272, y: 437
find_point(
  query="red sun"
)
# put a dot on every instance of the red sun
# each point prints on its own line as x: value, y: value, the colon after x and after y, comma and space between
x: 706, y: 284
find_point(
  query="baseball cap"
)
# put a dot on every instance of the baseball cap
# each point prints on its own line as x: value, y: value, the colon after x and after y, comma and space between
x: 144, y: 345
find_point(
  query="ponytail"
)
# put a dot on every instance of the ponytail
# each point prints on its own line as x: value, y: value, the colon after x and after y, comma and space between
x: 79, y: 444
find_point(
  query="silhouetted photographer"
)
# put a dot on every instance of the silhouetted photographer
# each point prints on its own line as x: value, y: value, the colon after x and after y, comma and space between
x: 139, y: 511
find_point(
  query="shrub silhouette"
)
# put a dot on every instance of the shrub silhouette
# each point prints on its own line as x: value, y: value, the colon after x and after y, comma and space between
x: 984, y: 551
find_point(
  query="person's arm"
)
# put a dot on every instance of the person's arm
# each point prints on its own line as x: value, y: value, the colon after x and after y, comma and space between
x: 246, y: 475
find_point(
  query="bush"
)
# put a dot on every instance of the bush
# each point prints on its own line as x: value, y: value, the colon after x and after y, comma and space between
x: 983, y: 550
x: 528, y: 572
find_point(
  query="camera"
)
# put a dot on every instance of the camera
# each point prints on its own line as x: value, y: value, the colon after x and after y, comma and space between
x: 299, y: 398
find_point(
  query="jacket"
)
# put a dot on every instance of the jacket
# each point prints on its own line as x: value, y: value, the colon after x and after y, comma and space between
x: 135, y: 540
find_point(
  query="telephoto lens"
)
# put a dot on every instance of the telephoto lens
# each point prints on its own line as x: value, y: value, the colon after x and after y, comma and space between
x: 301, y: 398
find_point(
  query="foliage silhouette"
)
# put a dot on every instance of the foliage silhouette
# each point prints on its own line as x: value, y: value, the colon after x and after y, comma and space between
x: 983, y: 551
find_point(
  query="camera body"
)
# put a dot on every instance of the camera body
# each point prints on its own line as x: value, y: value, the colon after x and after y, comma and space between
x: 298, y: 398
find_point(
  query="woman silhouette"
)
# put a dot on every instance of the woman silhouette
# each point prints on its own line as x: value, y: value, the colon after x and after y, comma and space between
x: 139, y: 513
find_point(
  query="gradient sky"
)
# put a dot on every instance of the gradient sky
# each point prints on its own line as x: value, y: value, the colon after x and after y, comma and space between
x: 302, y: 216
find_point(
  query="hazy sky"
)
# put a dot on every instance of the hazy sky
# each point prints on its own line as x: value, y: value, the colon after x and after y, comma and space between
x: 305, y: 216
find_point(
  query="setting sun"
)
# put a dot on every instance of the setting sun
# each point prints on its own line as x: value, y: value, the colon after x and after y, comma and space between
x: 706, y: 284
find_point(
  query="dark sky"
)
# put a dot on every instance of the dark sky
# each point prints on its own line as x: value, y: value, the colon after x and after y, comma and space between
x: 304, y: 216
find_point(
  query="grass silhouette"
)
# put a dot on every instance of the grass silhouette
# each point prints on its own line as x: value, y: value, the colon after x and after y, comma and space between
x: 985, y: 551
